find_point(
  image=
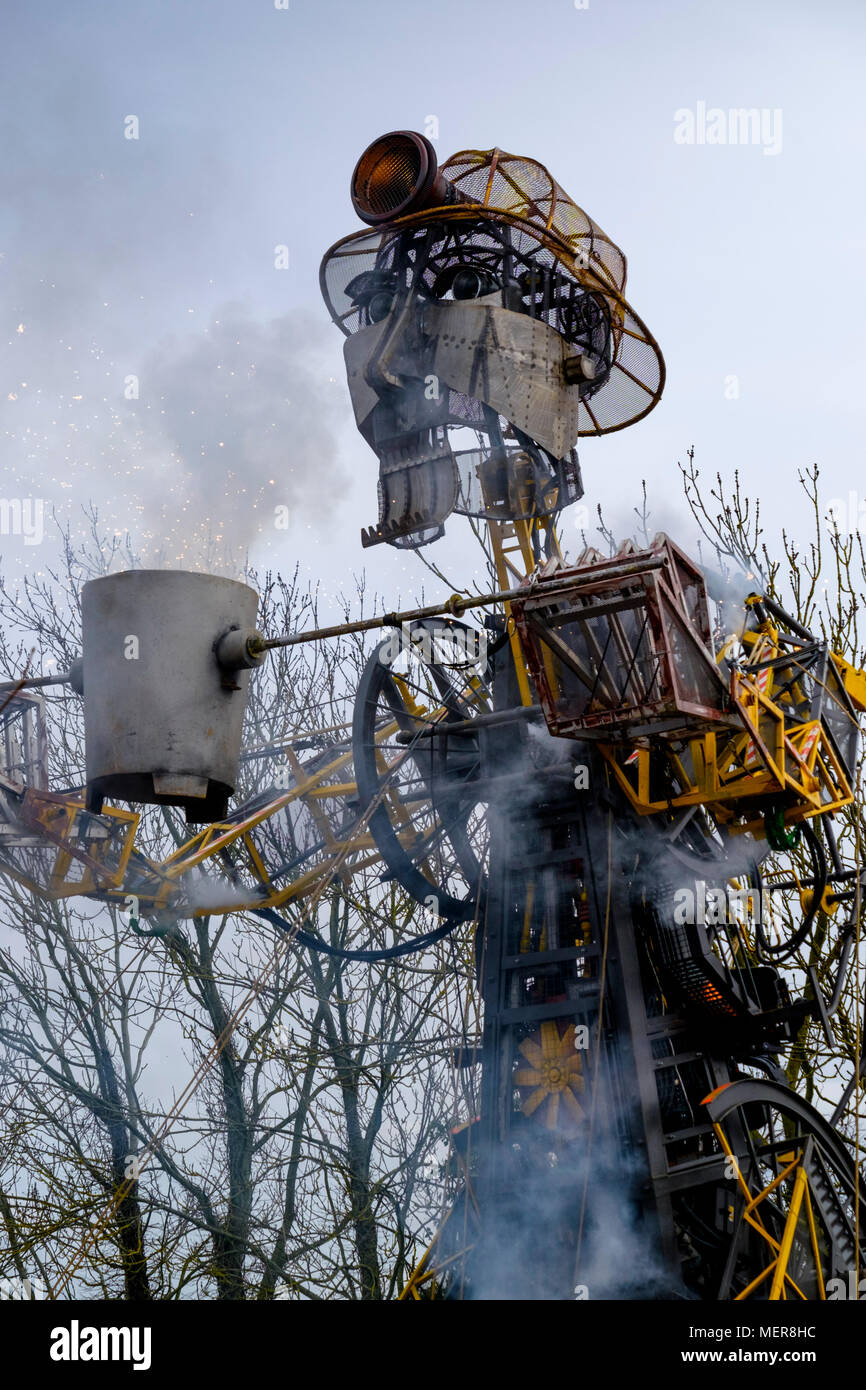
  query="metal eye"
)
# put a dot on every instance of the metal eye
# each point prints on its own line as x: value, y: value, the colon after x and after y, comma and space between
x: 379, y: 306
x: 463, y: 282
x: 469, y: 283
x: 373, y: 292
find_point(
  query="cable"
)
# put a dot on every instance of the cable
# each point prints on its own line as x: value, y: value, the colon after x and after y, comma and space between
x: 315, y: 943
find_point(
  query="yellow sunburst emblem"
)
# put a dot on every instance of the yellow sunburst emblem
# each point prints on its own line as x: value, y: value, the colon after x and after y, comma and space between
x: 553, y: 1079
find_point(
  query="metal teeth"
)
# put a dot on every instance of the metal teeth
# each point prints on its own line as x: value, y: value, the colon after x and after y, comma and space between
x: 412, y: 451
x: 376, y: 535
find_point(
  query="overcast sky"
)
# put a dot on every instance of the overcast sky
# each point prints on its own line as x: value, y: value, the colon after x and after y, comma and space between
x: 154, y: 257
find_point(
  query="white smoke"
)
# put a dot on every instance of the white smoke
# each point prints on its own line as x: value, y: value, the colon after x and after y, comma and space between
x: 238, y: 426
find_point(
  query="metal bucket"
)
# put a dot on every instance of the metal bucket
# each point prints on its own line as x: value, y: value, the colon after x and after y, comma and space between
x: 162, y: 717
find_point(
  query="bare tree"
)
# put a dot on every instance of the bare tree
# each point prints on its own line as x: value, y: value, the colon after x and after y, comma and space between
x: 305, y: 1164
x: 820, y: 579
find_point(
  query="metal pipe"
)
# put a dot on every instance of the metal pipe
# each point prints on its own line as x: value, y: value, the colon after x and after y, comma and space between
x: 779, y: 613
x: 456, y: 605
x: 30, y: 682
x: 442, y: 729
x: 452, y: 607
x: 847, y: 944
x: 808, y: 882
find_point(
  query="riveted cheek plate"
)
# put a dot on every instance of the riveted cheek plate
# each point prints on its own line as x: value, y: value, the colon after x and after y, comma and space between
x: 510, y: 361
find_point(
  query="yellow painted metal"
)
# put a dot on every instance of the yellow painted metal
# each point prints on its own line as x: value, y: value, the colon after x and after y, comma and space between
x: 853, y: 679
x: 778, y: 1266
x: 801, y: 1183
x: 54, y: 817
x: 770, y: 754
x: 828, y: 904
x: 429, y: 1270
x: 431, y: 1267
x: 816, y: 1247
x: 551, y: 1074
x: 218, y: 838
x: 766, y: 754
x: 81, y: 864
x: 527, y: 918
x: 520, y: 534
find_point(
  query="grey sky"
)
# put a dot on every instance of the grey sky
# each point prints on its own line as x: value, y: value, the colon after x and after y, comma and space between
x: 119, y: 255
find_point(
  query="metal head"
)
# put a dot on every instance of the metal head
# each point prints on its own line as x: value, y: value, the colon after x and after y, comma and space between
x: 486, y: 331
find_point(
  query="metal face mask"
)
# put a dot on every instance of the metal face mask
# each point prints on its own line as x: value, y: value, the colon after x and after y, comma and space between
x: 485, y: 333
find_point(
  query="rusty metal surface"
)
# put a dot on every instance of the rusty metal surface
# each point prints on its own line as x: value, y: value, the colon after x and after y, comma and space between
x: 627, y: 644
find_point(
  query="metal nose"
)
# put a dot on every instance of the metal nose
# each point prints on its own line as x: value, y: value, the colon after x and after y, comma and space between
x: 380, y: 372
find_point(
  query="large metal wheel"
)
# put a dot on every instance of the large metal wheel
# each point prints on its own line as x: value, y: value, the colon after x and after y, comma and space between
x: 705, y: 848
x: 793, y: 881
x: 418, y: 761
x: 793, y: 1192
x: 773, y: 889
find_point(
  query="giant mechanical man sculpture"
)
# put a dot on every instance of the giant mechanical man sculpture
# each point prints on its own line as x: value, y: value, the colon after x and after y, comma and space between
x: 625, y: 798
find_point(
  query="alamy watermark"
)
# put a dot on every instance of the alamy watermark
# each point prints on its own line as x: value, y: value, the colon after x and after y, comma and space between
x: 77, y: 1343
x: 27, y: 1290
x: 847, y: 514
x: 715, y: 907
x: 444, y: 646
x: 738, y: 125
x: 854, y: 1289
x: 23, y: 516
